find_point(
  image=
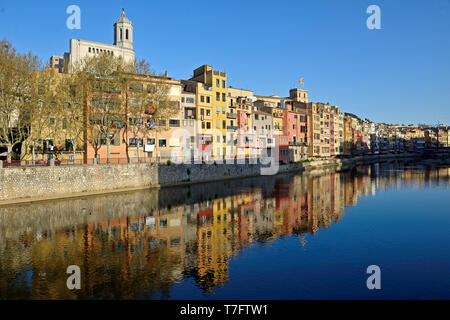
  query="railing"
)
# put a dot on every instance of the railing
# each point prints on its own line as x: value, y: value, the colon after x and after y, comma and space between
x: 68, y: 162
x: 26, y: 163
x: 133, y: 160
x: 297, y: 143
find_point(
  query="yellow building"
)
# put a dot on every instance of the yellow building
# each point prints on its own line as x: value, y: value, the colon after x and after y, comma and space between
x: 210, y: 87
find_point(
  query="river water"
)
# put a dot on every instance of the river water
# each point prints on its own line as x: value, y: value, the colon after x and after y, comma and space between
x: 289, y: 236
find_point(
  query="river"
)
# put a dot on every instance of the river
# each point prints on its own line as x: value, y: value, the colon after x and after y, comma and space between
x: 289, y: 236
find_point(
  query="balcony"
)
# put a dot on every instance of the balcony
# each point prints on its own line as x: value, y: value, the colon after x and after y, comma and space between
x: 297, y: 143
x: 231, y: 115
x: 232, y: 128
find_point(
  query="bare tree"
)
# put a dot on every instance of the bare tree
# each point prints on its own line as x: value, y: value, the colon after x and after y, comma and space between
x: 147, y: 104
x: 45, y: 110
x: 99, y: 77
x: 142, y: 66
x: 71, y: 97
x: 16, y: 82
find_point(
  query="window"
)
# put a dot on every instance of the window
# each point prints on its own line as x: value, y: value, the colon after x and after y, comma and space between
x: 217, y: 96
x: 162, y: 143
x: 208, y: 99
x: 52, y: 121
x: 133, y: 102
x: 151, y: 88
x: 68, y: 145
x: 208, y: 125
x: 121, y: 36
x: 223, y: 84
x: 224, y: 124
x: 174, y: 123
x: 202, y: 98
x: 224, y: 110
x: 217, y: 83
x: 208, y: 112
x: 202, y: 112
x: 224, y: 97
x: 136, y: 87
x: 134, y: 142
x: 126, y: 34
x: 217, y: 109
x: 151, y: 141
x: 218, y: 138
x: 218, y: 124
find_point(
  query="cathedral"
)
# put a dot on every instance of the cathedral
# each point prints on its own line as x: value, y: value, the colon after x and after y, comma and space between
x: 79, y: 49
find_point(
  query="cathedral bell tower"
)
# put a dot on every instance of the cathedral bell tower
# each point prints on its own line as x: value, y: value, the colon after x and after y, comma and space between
x: 123, y: 32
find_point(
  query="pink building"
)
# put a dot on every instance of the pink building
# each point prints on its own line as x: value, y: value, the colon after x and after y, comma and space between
x: 295, y: 124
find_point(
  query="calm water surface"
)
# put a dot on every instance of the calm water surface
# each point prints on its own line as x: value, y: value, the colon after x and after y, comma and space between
x: 281, y: 237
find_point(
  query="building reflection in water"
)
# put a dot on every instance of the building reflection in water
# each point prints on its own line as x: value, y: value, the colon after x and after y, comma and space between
x: 141, y: 244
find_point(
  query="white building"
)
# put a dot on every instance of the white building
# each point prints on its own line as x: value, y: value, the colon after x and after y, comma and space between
x: 79, y: 49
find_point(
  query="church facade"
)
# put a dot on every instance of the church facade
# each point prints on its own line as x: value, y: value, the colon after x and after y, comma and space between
x: 80, y: 49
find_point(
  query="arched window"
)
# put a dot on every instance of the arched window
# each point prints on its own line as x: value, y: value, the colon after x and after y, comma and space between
x: 126, y: 34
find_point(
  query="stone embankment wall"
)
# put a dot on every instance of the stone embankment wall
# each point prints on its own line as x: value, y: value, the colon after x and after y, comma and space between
x: 66, y: 181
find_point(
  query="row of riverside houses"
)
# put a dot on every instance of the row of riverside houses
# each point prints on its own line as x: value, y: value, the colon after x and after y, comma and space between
x: 213, y: 120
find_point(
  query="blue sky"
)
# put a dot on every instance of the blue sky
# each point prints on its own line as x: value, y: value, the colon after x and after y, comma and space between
x: 399, y: 74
